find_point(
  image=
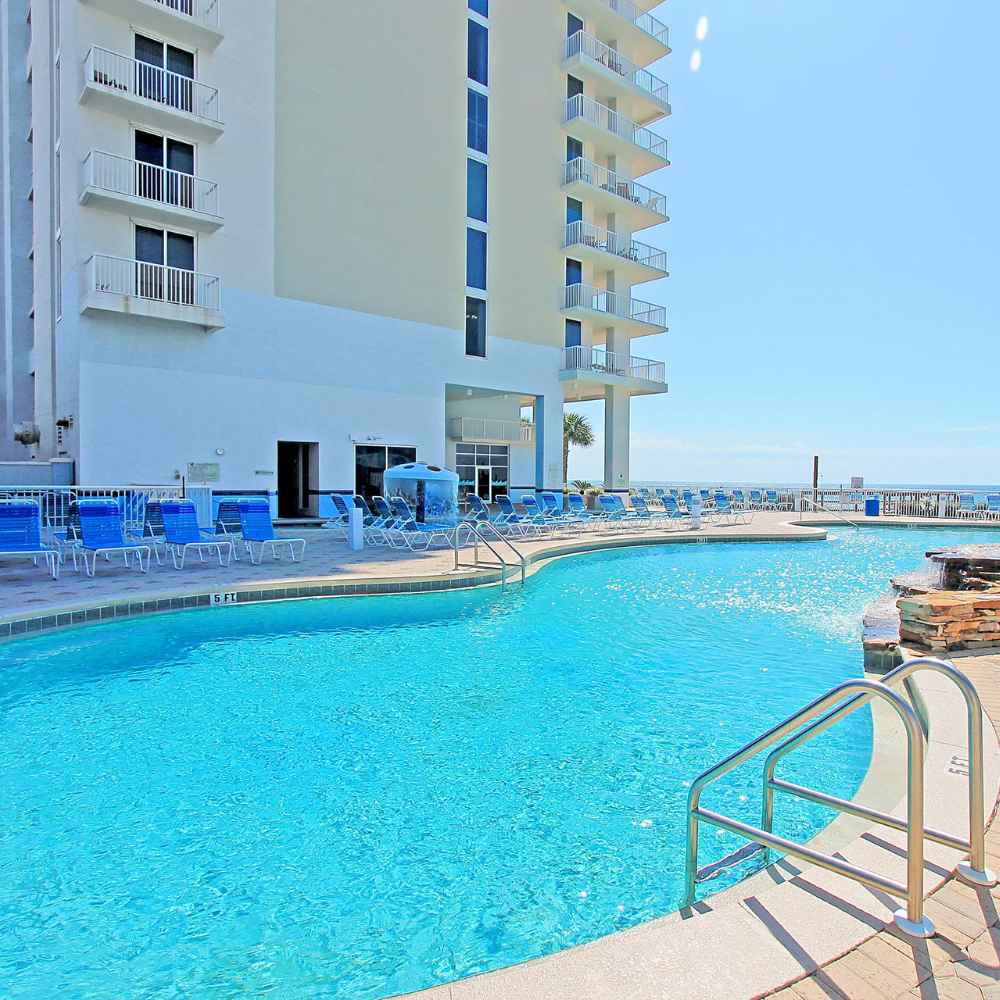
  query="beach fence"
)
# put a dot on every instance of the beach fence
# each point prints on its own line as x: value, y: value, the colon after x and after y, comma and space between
x: 55, y: 501
x: 892, y: 503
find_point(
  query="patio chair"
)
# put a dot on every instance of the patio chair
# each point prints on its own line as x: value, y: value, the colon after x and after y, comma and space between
x: 101, y: 534
x: 578, y: 507
x: 526, y: 524
x: 21, y: 534
x: 993, y: 505
x: 552, y: 508
x: 258, y: 529
x: 409, y: 532
x: 967, y: 506
x: 728, y: 513
x: 181, y: 533
x: 643, y: 512
x: 756, y: 500
x: 618, y: 514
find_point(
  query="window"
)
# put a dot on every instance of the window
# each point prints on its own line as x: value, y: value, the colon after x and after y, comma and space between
x: 476, y: 193
x: 574, y: 272
x: 574, y: 333
x: 370, y: 461
x: 59, y: 279
x: 480, y: 7
x: 156, y: 247
x: 574, y: 210
x: 478, y: 53
x: 475, y: 258
x: 574, y: 150
x: 574, y: 87
x: 153, y: 152
x: 475, y: 328
x: 477, y: 121
x: 573, y: 25
x: 174, y: 86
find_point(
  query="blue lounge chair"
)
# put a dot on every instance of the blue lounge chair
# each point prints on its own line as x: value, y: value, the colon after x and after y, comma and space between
x: 101, y: 534
x: 416, y: 536
x: 739, y: 500
x: 673, y: 510
x: 617, y: 513
x: 552, y: 508
x: 756, y: 500
x: 643, y: 512
x: 993, y: 505
x: 728, y: 513
x: 181, y: 533
x: 548, y: 518
x: 967, y: 506
x: 479, y: 514
x: 773, y: 501
x: 526, y: 524
x: 257, y: 529
x: 578, y: 507
x: 21, y: 534
x: 341, y: 512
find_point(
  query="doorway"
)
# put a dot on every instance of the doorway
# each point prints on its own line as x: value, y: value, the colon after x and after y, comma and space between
x: 484, y: 483
x: 298, y: 470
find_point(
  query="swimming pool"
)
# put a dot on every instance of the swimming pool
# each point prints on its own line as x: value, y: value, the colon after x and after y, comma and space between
x: 360, y: 797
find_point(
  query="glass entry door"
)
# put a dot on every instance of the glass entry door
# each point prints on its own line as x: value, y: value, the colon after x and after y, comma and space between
x: 484, y: 483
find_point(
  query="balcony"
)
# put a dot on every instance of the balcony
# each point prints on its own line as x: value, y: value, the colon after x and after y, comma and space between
x: 617, y: 309
x: 167, y: 196
x: 122, y: 85
x: 486, y: 430
x: 615, y: 135
x: 616, y: 76
x: 587, y: 371
x: 649, y: 38
x: 633, y: 260
x: 637, y: 205
x: 197, y: 23
x: 136, y: 288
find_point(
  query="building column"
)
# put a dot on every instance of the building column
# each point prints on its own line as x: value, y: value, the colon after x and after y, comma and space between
x: 617, y: 405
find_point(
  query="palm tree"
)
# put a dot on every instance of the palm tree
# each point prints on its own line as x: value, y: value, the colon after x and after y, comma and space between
x: 576, y: 430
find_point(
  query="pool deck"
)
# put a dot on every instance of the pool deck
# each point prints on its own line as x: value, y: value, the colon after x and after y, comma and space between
x: 30, y: 601
x: 793, y: 932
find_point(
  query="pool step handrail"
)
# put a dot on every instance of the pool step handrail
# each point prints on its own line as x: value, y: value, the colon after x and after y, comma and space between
x: 475, y: 529
x: 832, y: 513
x: 820, y: 714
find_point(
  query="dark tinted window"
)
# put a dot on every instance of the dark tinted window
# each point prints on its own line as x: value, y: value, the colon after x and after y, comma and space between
x: 475, y: 327
x: 478, y: 53
x: 574, y: 333
x: 475, y: 258
x: 476, y: 194
x: 477, y: 122
x: 480, y: 7
x: 574, y: 272
x: 574, y: 210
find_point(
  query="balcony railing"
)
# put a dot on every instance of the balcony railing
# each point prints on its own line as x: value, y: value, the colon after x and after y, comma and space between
x: 489, y: 429
x: 604, y: 362
x: 614, y: 304
x: 587, y: 234
x: 134, y: 78
x: 597, y: 114
x: 206, y: 12
x: 584, y: 171
x: 141, y: 280
x: 593, y: 49
x: 135, y: 179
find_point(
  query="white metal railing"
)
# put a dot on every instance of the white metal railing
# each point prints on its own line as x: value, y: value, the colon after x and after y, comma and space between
x: 614, y: 304
x: 206, y: 12
x: 139, y: 279
x: 604, y: 362
x: 132, y: 77
x: 587, y: 234
x: 901, y: 503
x: 490, y: 429
x: 54, y: 501
x: 597, y: 114
x: 120, y: 175
x: 580, y: 170
x: 596, y: 51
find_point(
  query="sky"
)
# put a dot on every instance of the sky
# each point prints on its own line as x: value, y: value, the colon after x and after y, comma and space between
x: 833, y: 195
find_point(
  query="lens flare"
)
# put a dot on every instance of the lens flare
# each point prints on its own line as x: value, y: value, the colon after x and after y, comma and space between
x: 701, y: 31
x: 695, y: 60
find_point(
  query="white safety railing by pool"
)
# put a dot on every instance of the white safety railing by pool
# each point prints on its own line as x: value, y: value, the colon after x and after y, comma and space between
x: 597, y: 114
x: 614, y: 304
x: 206, y: 12
x: 489, y: 429
x: 54, y: 501
x: 600, y: 361
x: 593, y: 50
x: 620, y: 245
x: 140, y: 279
x: 134, y: 78
x: 585, y: 171
x: 120, y: 175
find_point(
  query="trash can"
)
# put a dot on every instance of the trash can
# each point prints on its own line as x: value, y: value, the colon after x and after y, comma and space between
x: 871, y: 506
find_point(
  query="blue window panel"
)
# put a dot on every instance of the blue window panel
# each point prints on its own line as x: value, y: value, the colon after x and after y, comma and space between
x: 574, y: 149
x: 478, y: 53
x: 475, y: 258
x: 574, y: 333
x: 574, y: 210
x: 478, y: 130
x: 574, y: 272
x: 475, y: 330
x: 574, y: 87
x: 476, y: 191
x: 573, y: 25
x: 480, y: 7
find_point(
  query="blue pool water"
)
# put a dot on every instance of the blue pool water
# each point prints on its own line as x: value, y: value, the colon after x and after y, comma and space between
x: 361, y: 797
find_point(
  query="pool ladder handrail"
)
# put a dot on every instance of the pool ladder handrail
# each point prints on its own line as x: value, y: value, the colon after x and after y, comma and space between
x: 822, y: 713
x: 832, y: 513
x: 475, y: 530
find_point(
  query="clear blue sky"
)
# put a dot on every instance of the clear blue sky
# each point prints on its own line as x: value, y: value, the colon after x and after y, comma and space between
x: 834, y: 246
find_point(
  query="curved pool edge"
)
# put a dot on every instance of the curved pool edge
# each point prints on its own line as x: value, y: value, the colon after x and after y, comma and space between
x: 787, y: 922
x: 288, y: 589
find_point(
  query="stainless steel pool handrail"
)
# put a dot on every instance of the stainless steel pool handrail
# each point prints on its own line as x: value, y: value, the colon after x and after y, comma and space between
x: 912, y: 920
x: 478, y: 536
x: 975, y: 872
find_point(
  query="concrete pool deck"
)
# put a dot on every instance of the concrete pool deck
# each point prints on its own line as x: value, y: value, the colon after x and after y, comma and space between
x: 791, y: 924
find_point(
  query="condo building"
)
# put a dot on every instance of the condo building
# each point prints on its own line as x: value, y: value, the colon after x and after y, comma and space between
x: 280, y: 245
